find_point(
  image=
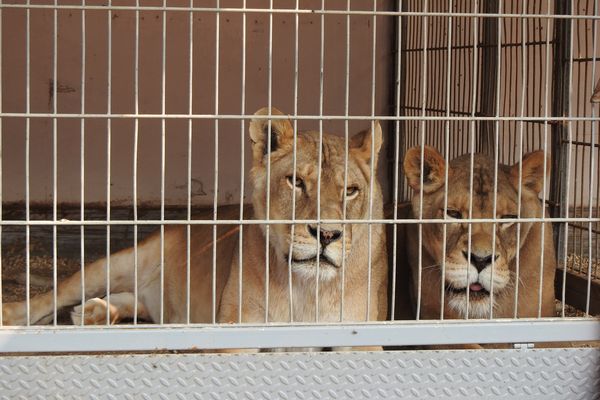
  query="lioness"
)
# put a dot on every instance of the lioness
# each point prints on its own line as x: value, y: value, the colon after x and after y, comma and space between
x: 303, y: 256
x: 483, y: 274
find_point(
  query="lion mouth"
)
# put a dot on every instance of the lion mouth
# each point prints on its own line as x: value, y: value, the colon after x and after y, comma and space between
x: 476, y: 291
x: 323, y: 260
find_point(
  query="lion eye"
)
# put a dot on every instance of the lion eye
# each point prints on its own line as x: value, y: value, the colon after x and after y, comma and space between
x: 351, y: 191
x: 455, y: 214
x: 299, y: 183
x: 508, y: 216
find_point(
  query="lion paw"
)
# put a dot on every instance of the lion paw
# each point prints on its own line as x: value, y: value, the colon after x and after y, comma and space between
x: 94, y: 313
x: 14, y: 314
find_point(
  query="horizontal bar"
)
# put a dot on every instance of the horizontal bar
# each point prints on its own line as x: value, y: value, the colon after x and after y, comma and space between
x: 478, y: 46
x: 584, y: 228
x: 296, y: 11
x: 185, y: 337
x: 580, y: 143
x: 238, y: 117
x: 586, y: 59
x: 437, y: 110
x: 288, y: 221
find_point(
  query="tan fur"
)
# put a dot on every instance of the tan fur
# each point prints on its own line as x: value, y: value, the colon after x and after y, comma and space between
x: 503, y: 280
x: 254, y: 279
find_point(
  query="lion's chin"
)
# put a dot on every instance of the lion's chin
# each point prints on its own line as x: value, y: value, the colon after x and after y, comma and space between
x: 307, y: 269
x: 479, y: 302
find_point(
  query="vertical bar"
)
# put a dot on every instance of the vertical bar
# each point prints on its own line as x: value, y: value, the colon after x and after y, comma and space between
x: 559, y: 131
x: 242, y: 170
x: 108, y: 161
x: 136, y: 123
x: 472, y: 146
x: 27, y: 151
x: 396, y: 161
x: 565, y: 195
x: 54, y: 159
x: 372, y: 172
x: 580, y: 127
x: 505, y: 126
x: 216, y: 175
x: 189, y: 169
x: 544, y: 146
x: 82, y: 167
x: 496, y: 155
x: 320, y: 159
x: 447, y: 160
x: 162, y: 163
x: 422, y: 128
x: 346, y: 142
x: 489, y: 70
x: 520, y: 157
x: 268, y: 188
x: 592, y: 159
x: 294, y: 155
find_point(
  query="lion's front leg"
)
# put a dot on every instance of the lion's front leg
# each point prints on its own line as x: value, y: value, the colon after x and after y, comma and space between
x: 69, y: 291
x: 122, y: 306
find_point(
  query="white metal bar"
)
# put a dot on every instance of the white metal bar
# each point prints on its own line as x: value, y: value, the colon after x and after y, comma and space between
x: 520, y: 159
x: 162, y: 164
x: 308, y: 11
x: 496, y: 157
x: 238, y: 117
x: 472, y: 150
x: 396, y: 163
x: 54, y: 161
x: 269, y: 149
x: 216, y: 167
x: 136, y: 95
x: 320, y: 158
x: 27, y: 154
x: 287, y: 221
x: 544, y: 147
x: 425, y: 30
x: 294, y: 166
x: 447, y: 162
x: 82, y: 167
x: 372, y: 171
x: 189, y: 168
x: 108, y: 158
x: 569, y: 156
x: 592, y: 169
x: 242, y: 169
x: 185, y: 337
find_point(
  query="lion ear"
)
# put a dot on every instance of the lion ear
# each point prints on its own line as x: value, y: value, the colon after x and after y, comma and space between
x: 281, y: 133
x: 434, y: 168
x: 532, y: 171
x: 360, y: 144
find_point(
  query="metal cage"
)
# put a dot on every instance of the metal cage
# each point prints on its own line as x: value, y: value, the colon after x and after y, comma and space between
x: 122, y: 118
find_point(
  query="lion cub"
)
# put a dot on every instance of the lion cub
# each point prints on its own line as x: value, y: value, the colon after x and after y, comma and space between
x: 332, y: 245
x: 490, y: 282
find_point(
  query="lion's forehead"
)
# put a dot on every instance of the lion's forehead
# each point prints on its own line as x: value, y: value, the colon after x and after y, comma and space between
x: 333, y: 148
x: 332, y: 159
x: 488, y: 186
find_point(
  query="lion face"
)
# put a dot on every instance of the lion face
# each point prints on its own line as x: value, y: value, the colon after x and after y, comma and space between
x: 477, y: 262
x: 328, y: 243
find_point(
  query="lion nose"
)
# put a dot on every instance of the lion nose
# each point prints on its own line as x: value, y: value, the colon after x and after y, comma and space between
x: 480, y: 262
x: 327, y: 236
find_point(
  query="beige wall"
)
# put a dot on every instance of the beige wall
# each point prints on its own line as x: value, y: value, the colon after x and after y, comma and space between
x: 69, y: 93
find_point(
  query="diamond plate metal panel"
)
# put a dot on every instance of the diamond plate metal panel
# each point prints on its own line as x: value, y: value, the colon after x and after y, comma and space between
x: 532, y: 374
